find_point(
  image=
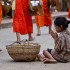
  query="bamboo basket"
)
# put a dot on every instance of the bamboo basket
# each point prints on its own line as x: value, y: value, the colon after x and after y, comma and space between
x: 23, y: 52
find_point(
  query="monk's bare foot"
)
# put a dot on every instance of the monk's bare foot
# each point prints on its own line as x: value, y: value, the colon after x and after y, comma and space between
x: 18, y: 37
x: 31, y: 38
x: 18, y: 40
x: 46, y: 60
x: 0, y: 50
x: 38, y: 34
x: 49, y: 31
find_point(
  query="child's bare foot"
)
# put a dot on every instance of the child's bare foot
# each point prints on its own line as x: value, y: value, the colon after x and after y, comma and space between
x: 46, y: 60
x: 41, y: 57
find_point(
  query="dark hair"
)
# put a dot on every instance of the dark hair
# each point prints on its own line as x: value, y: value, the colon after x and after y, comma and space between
x: 61, y: 21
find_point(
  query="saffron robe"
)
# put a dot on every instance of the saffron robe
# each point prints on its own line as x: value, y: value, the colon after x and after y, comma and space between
x: 45, y: 20
x: 0, y: 12
x: 22, y: 22
x: 69, y: 13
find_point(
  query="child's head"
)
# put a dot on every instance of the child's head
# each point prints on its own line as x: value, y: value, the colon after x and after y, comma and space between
x: 61, y: 24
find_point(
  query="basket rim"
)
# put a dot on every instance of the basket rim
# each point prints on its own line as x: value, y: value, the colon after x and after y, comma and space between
x: 24, y: 46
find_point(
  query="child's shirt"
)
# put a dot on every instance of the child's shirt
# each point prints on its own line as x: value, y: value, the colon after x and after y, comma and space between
x: 61, y: 51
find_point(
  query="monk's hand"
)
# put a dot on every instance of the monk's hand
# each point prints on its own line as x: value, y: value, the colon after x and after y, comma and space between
x: 38, y: 13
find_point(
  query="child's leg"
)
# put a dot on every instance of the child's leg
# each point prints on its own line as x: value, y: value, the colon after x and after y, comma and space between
x: 48, y: 56
x: 18, y: 37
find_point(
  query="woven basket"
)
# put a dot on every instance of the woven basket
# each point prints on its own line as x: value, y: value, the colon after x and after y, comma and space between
x: 23, y: 52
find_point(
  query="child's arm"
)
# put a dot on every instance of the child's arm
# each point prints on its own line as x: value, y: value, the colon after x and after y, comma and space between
x: 58, y: 43
x: 53, y: 34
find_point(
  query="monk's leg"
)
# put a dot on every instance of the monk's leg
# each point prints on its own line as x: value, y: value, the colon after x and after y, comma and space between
x: 49, y: 57
x: 18, y: 37
x: 49, y: 29
x: 38, y: 31
x: 0, y: 50
x: 30, y: 37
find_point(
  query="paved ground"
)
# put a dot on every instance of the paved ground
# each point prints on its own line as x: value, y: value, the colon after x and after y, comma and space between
x: 6, y: 63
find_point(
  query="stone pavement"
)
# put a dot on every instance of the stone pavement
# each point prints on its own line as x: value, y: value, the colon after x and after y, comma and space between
x: 6, y: 63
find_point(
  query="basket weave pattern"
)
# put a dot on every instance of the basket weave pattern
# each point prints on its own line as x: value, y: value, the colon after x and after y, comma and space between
x: 23, y: 52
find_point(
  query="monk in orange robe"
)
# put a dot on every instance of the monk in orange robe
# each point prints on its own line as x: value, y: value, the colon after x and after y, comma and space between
x: 0, y: 15
x: 46, y: 19
x: 69, y: 13
x: 22, y: 22
x: 0, y: 12
x: 69, y: 10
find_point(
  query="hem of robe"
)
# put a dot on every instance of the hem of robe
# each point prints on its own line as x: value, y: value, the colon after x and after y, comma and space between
x: 0, y: 12
x: 69, y: 13
x: 48, y: 24
x: 42, y: 21
x: 39, y: 21
x: 23, y: 33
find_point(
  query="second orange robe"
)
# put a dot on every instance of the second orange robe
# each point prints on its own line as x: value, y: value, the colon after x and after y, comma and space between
x: 45, y: 20
x: 22, y: 22
x: 69, y: 13
x: 0, y: 12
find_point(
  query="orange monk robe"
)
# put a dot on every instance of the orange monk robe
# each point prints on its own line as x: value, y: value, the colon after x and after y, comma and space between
x: 0, y: 12
x: 39, y: 21
x: 22, y: 22
x: 69, y: 13
x: 45, y: 20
